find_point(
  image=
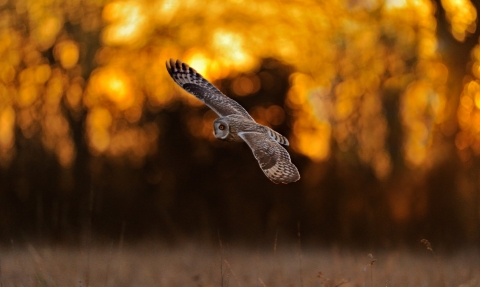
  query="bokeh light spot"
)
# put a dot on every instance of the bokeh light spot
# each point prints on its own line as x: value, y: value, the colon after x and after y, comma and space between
x: 99, y: 122
x: 128, y: 23
x: 246, y: 85
x: 42, y: 73
x: 47, y: 30
x: 113, y: 84
x: 7, y: 122
x: 275, y: 115
x: 27, y: 95
x: 67, y: 52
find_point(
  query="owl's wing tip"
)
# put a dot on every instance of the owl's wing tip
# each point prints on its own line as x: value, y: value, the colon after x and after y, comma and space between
x: 169, y: 66
x: 178, y: 65
x: 172, y: 66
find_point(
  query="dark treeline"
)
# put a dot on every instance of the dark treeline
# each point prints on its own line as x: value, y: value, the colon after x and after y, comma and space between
x: 195, y: 189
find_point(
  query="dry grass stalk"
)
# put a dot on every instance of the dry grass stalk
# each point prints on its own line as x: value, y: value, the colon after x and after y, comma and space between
x: 370, y: 266
x: 222, y: 275
x: 428, y: 245
x: 232, y: 272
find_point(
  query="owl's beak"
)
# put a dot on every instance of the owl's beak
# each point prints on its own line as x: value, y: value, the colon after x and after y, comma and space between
x: 217, y: 135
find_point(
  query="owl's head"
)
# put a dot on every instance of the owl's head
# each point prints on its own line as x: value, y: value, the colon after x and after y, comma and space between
x: 221, y: 129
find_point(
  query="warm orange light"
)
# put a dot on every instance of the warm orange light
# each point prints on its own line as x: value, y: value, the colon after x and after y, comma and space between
x: 7, y: 72
x: 134, y: 143
x: 275, y: 115
x: 7, y: 122
x: 114, y: 85
x: 246, y: 85
x: 421, y: 108
x: 42, y: 73
x: 27, y: 95
x: 198, y: 60
x: 66, y: 152
x: 67, y: 52
x: 312, y: 131
x: 344, y: 107
x: 46, y: 30
x: 344, y: 65
x: 128, y: 23
x: 232, y: 52
x: 313, y: 143
x: 74, y: 96
x: 390, y: 4
x: 99, y: 121
x: 462, y: 16
x: 165, y: 10
x: 468, y: 115
x: 382, y: 164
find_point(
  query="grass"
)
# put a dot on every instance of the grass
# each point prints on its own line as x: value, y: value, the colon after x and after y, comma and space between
x: 153, y: 264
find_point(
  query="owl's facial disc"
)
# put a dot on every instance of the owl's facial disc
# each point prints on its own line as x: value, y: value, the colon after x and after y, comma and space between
x: 220, y: 129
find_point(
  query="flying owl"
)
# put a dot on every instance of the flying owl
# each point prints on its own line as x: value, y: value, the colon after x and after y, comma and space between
x: 235, y: 124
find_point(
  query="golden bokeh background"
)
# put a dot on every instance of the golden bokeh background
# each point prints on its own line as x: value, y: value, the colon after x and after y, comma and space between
x: 369, y: 86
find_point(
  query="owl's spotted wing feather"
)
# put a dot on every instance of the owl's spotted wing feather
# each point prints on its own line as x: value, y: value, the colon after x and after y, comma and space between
x: 273, y: 159
x: 192, y: 82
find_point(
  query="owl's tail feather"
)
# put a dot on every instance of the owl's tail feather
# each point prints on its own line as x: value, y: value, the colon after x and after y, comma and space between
x: 277, y: 137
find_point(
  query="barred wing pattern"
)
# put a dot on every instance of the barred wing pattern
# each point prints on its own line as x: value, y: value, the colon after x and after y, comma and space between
x: 273, y: 159
x: 192, y: 82
x: 277, y: 137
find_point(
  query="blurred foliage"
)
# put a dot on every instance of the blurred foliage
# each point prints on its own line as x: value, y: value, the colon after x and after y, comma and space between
x: 359, y: 54
x: 368, y: 87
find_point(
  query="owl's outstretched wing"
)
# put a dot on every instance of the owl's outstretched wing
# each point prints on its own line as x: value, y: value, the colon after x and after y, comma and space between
x: 192, y: 82
x: 273, y: 159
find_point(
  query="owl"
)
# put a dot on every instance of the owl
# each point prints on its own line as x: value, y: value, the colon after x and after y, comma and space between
x: 236, y: 125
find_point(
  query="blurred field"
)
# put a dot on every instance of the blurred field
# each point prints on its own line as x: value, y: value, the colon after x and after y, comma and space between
x: 194, y: 265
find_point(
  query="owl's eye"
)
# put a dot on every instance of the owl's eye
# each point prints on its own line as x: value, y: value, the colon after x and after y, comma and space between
x: 221, y: 127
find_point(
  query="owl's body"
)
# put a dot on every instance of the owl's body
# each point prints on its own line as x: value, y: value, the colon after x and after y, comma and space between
x: 236, y: 125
